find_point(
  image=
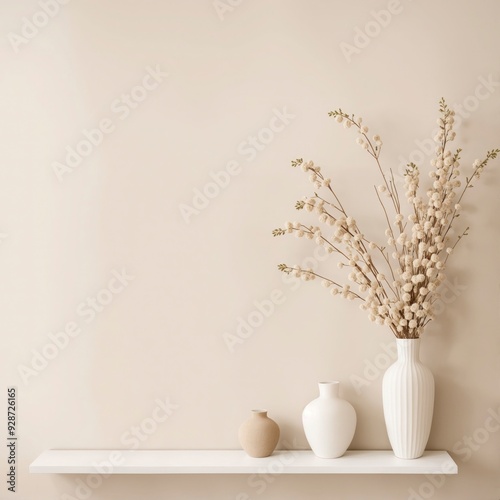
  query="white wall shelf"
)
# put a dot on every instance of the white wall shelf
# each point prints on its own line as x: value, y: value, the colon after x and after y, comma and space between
x: 236, y: 462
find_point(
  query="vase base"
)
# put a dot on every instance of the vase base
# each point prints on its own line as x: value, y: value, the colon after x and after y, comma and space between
x: 328, y: 457
x: 408, y: 458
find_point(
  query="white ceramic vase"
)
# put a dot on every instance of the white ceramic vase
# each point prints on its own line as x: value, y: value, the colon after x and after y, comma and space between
x: 408, y: 398
x: 329, y: 422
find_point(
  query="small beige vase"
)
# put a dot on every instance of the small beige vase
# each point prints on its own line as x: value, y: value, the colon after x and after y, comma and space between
x: 259, y: 435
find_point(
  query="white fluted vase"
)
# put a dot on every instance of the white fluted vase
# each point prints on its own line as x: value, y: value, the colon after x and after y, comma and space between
x: 408, y: 399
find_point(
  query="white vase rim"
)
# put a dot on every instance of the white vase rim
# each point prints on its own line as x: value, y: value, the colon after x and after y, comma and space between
x: 258, y: 412
x: 330, y: 382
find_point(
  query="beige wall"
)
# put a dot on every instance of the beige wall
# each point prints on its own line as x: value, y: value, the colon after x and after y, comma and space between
x: 161, y: 339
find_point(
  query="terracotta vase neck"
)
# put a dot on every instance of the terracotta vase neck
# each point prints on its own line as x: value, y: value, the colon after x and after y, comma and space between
x: 259, y: 413
x: 408, y: 349
x: 329, y: 389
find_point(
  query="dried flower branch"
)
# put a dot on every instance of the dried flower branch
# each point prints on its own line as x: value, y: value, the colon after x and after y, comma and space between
x: 420, y: 241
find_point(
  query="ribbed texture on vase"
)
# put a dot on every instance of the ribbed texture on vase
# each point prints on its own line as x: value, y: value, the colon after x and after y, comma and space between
x: 408, y: 397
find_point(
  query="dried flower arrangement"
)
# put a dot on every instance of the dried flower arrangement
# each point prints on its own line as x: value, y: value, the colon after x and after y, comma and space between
x: 421, y: 242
